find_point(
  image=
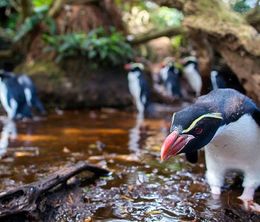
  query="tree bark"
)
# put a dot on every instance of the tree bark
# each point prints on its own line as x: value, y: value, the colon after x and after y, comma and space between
x: 153, y: 35
x: 253, y: 17
x: 26, y: 9
x: 55, y: 8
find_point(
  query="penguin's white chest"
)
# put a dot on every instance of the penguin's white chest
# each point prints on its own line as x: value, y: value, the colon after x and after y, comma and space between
x: 134, y: 84
x: 135, y: 90
x: 164, y: 73
x: 3, y: 97
x: 213, y: 78
x: 193, y: 78
x: 236, y: 146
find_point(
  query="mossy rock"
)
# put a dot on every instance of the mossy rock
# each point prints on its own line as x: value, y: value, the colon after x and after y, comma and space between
x: 75, y: 83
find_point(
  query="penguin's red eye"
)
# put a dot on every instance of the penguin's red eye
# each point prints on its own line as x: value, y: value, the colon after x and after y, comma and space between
x: 198, y: 130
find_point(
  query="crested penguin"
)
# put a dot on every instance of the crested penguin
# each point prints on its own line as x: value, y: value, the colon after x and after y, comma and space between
x: 138, y: 87
x: 225, y: 78
x: 170, y: 77
x: 192, y: 75
x: 227, y: 123
x: 12, y: 97
x: 30, y: 93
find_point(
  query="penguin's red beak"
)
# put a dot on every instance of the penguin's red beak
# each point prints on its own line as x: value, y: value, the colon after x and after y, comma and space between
x: 173, y: 144
x: 127, y: 66
x: 162, y: 65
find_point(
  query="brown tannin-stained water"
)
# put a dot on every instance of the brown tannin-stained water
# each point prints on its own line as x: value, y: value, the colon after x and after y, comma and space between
x: 140, y: 187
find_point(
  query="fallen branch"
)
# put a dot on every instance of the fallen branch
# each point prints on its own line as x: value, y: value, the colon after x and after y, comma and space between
x: 24, y: 199
x: 169, y: 32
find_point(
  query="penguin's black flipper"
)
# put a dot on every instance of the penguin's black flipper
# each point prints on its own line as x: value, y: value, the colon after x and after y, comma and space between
x: 192, y: 157
x: 256, y: 116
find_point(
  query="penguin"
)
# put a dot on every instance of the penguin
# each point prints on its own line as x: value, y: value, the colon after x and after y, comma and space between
x: 138, y: 86
x: 192, y: 75
x: 225, y: 78
x: 170, y: 77
x: 30, y: 93
x: 9, y: 131
x: 227, y: 123
x: 12, y: 97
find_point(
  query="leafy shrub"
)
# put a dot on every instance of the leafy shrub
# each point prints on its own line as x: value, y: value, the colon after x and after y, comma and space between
x: 12, y: 26
x: 98, y: 45
x: 39, y: 16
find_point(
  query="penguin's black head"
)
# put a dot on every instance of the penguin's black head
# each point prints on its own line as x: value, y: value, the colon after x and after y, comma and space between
x: 134, y: 67
x: 192, y: 128
x: 4, y: 75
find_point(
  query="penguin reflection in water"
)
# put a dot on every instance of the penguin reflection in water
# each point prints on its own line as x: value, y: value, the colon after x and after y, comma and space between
x: 192, y: 74
x: 138, y: 87
x: 227, y: 123
x: 9, y: 132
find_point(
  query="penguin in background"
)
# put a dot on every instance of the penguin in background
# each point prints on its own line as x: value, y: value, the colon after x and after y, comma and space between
x: 31, y: 93
x: 192, y: 75
x: 138, y: 87
x: 13, y: 98
x: 225, y: 78
x: 170, y: 77
x: 227, y: 123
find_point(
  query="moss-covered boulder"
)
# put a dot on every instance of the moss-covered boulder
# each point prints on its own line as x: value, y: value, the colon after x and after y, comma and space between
x: 75, y: 83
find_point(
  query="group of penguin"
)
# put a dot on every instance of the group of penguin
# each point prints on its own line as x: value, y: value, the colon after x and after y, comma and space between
x: 18, y: 96
x: 225, y: 122
x: 170, y: 79
x: 170, y: 76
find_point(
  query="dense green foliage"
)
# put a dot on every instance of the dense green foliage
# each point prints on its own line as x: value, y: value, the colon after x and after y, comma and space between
x: 165, y: 17
x: 16, y: 29
x: 31, y: 22
x: 241, y: 6
x: 98, y: 45
x: 41, y: 3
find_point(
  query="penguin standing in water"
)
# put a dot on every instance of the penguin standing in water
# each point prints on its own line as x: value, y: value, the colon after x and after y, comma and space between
x: 192, y: 74
x: 225, y: 78
x: 12, y: 97
x: 227, y: 123
x: 138, y: 87
x: 30, y: 93
x: 170, y: 76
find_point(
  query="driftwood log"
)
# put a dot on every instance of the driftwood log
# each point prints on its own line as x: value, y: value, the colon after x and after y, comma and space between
x: 24, y: 199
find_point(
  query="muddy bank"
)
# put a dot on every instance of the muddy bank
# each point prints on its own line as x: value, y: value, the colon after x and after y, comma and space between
x: 76, y: 83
